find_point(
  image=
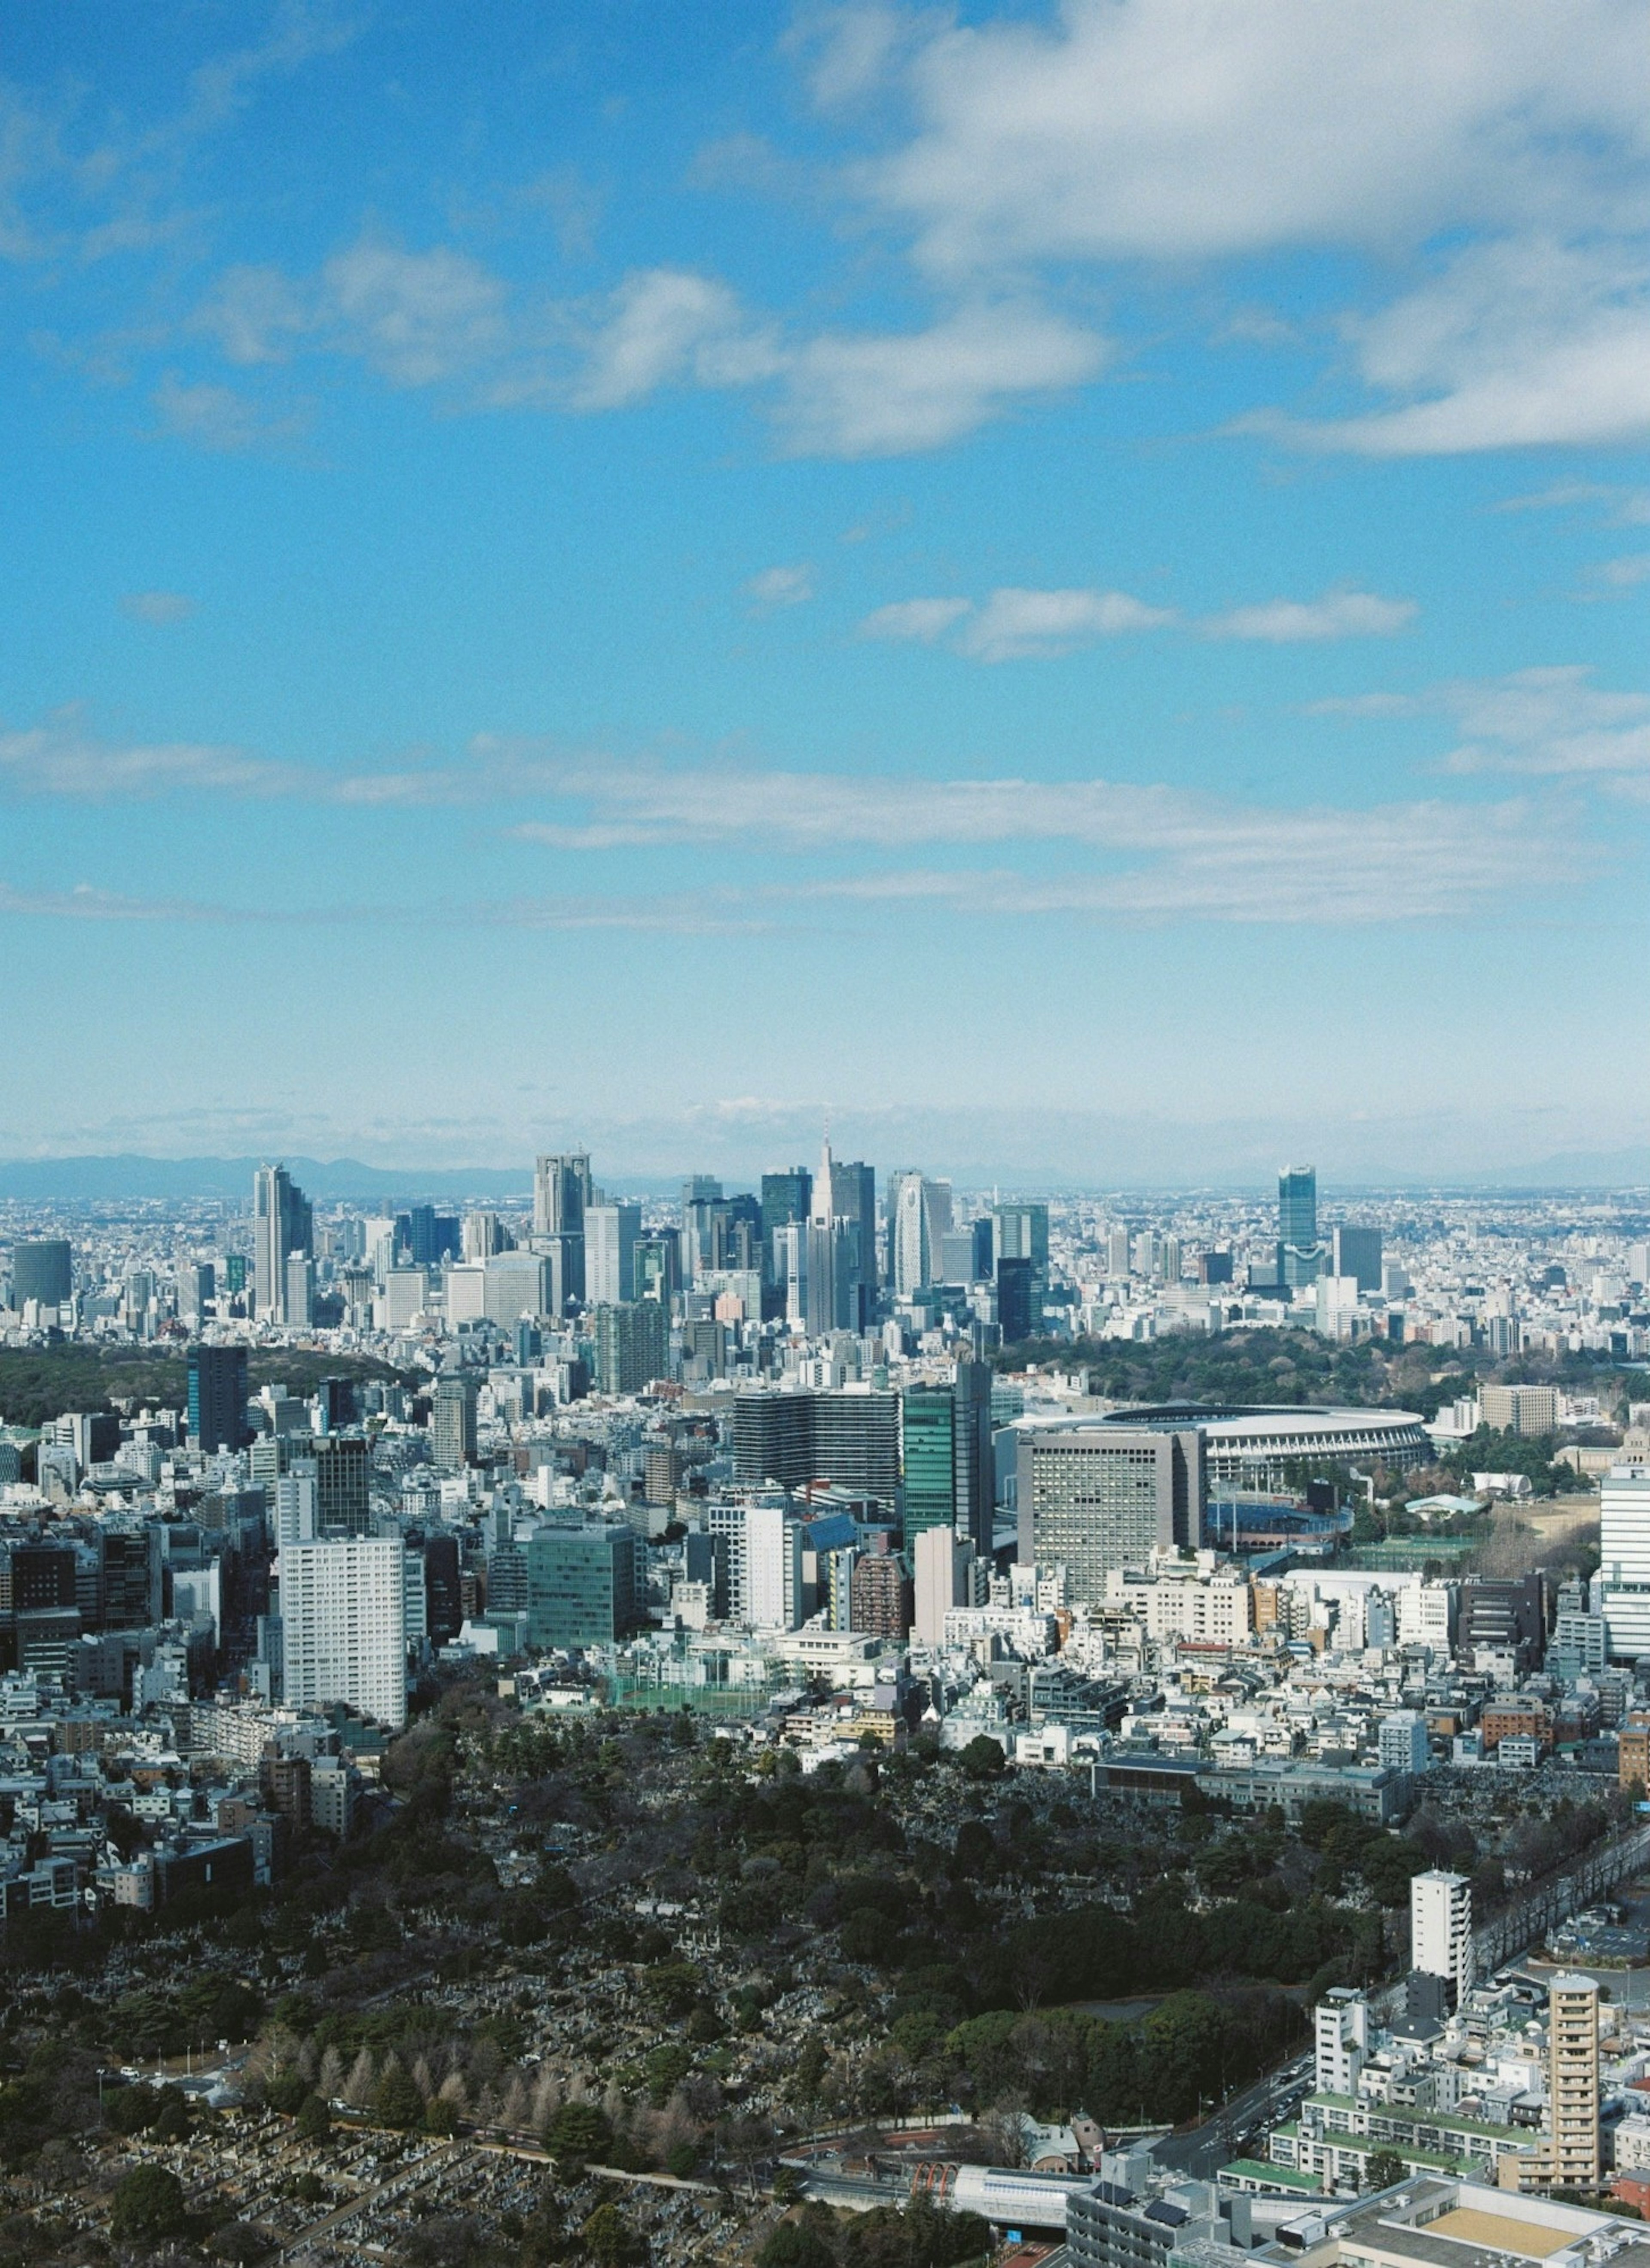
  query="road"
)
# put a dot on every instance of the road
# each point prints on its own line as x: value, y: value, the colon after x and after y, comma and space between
x: 1201, y: 2150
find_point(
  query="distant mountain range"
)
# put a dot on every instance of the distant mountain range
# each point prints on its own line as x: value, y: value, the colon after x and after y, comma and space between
x: 96, y: 1180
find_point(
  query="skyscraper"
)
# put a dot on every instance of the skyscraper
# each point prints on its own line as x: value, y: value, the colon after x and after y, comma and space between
x: 1018, y: 1310
x: 344, y: 1621
x: 586, y: 1585
x: 1094, y: 1499
x: 43, y: 1271
x: 1572, y: 2079
x: 632, y: 1344
x: 562, y: 1192
x: 282, y: 1224
x: 919, y: 1214
x: 1441, y: 1929
x: 1299, y: 1255
x: 610, y: 1235
x: 217, y: 1397
x: 1357, y: 1254
x: 453, y: 1423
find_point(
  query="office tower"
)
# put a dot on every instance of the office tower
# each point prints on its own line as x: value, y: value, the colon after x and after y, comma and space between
x: 1622, y: 1580
x: 516, y: 1284
x: 300, y: 1291
x: 1402, y: 1742
x: 785, y: 1197
x: 1096, y: 1499
x: 1021, y: 1232
x: 562, y: 1189
x: 282, y: 1224
x: 1531, y: 1411
x: 610, y: 1235
x: 1572, y: 2080
x: 43, y: 1270
x: 234, y: 1273
x: 1018, y: 1310
x: 586, y: 1585
x: 773, y: 1567
x: 928, y: 1428
x: 1299, y: 1255
x: 421, y: 1236
x: 343, y: 1474
x: 335, y: 1399
x: 701, y: 1189
x: 1357, y: 1252
x: 1169, y: 1260
x: 657, y: 1264
x: 632, y: 1345
x: 957, y: 1255
x: 443, y: 1589
x: 879, y: 1595
x: 1117, y: 1246
x: 217, y: 1397
x: 1341, y: 2040
x: 293, y: 1495
x: 920, y: 1216
x: 849, y: 1436
x: 943, y: 1562
x: 1440, y: 1930
x: 197, y: 1286
x: 485, y: 1236
x: 129, y: 1587
x: 854, y: 1205
x: 343, y: 1619
x: 1214, y: 1267
x: 453, y: 1423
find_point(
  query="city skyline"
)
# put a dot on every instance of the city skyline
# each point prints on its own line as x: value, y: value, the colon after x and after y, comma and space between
x: 751, y: 516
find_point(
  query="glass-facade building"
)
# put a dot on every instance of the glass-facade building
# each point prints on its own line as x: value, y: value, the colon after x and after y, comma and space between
x: 583, y: 1586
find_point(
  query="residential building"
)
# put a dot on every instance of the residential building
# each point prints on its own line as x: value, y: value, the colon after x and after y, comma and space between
x: 610, y: 1236
x: 632, y: 1345
x: 453, y: 1440
x: 343, y: 1625
x: 1440, y: 1930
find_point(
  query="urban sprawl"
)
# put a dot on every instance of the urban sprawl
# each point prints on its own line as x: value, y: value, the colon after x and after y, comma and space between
x: 851, y: 1722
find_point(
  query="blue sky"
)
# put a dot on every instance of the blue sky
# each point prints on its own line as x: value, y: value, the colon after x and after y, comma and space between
x: 656, y: 572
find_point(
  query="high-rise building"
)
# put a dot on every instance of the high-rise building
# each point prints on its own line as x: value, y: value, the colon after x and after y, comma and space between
x: 562, y: 1193
x: 343, y: 1476
x: 632, y: 1345
x: 131, y: 1579
x: 1299, y: 1255
x: 1018, y: 1308
x: 879, y: 1595
x: 1356, y: 1252
x: 344, y: 1620
x: 658, y: 1263
x: 444, y: 1588
x: 1526, y: 1409
x: 300, y: 1291
x: 1096, y: 1498
x: 516, y: 1284
x: 944, y: 1564
x: 1402, y: 1742
x: 1021, y: 1232
x: 453, y: 1423
x: 946, y: 1453
x: 1572, y: 2080
x: 586, y: 1585
x: 1341, y: 2040
x: 1118, y: 1245
x: 919, y: 1215
x: 43, y: 1270
x: 198, y: 1287
x: 610, y: 1236
x: 282, y: 1224
x: 217, y: 1397
x: 1624, y: 1573
x: 849, y: 1436
x: 1440, y: 1930
x: 774, y: 1540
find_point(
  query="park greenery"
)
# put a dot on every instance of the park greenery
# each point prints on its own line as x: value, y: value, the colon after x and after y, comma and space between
x: 40, y: 1383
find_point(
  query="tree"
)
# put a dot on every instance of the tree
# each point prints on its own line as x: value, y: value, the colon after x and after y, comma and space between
x: 608, y: 2238
x: 793, y: 2244
x: 148, y: 2207
x: 982, y: 1758
x: 1383, y: 2169
x: 396, y: 2101
x: 314, y: 2118
x: 577, y: 2132
x: 171, y: 2121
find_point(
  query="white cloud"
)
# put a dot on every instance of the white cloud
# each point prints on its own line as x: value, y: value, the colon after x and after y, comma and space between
x: 780, y: 587
x: 256, y: 315
x: 873, y: 394
x: 1038, y: 625
x: 61, y: 757
x: 418, y: 317
x: 1552, y: 723
x: 158, y: 608
x: 1626, y: 573
x: 917, y: 622
x: 1018, y: 625
x: 218, y: 418
x: 665, y: 327
x: 1178, y: 129
x: 1338, y: 615
x: 1518, y: 343
x: 1171, y: 852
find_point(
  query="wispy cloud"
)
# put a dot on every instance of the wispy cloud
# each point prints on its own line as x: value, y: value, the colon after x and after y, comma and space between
x: 1338, y: 615
x: 1022, y: 625
x: 159, y: 609
x: 1553, y: 723
x: 63, y: 757
x: 218, y: 419
x: 777, y: 587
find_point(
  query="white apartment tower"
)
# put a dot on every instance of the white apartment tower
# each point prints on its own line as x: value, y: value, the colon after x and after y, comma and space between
x: 343, y: 1619
x: 1342, y: 2041
x: 1573, y: 2087
x: 1441, y: 1929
